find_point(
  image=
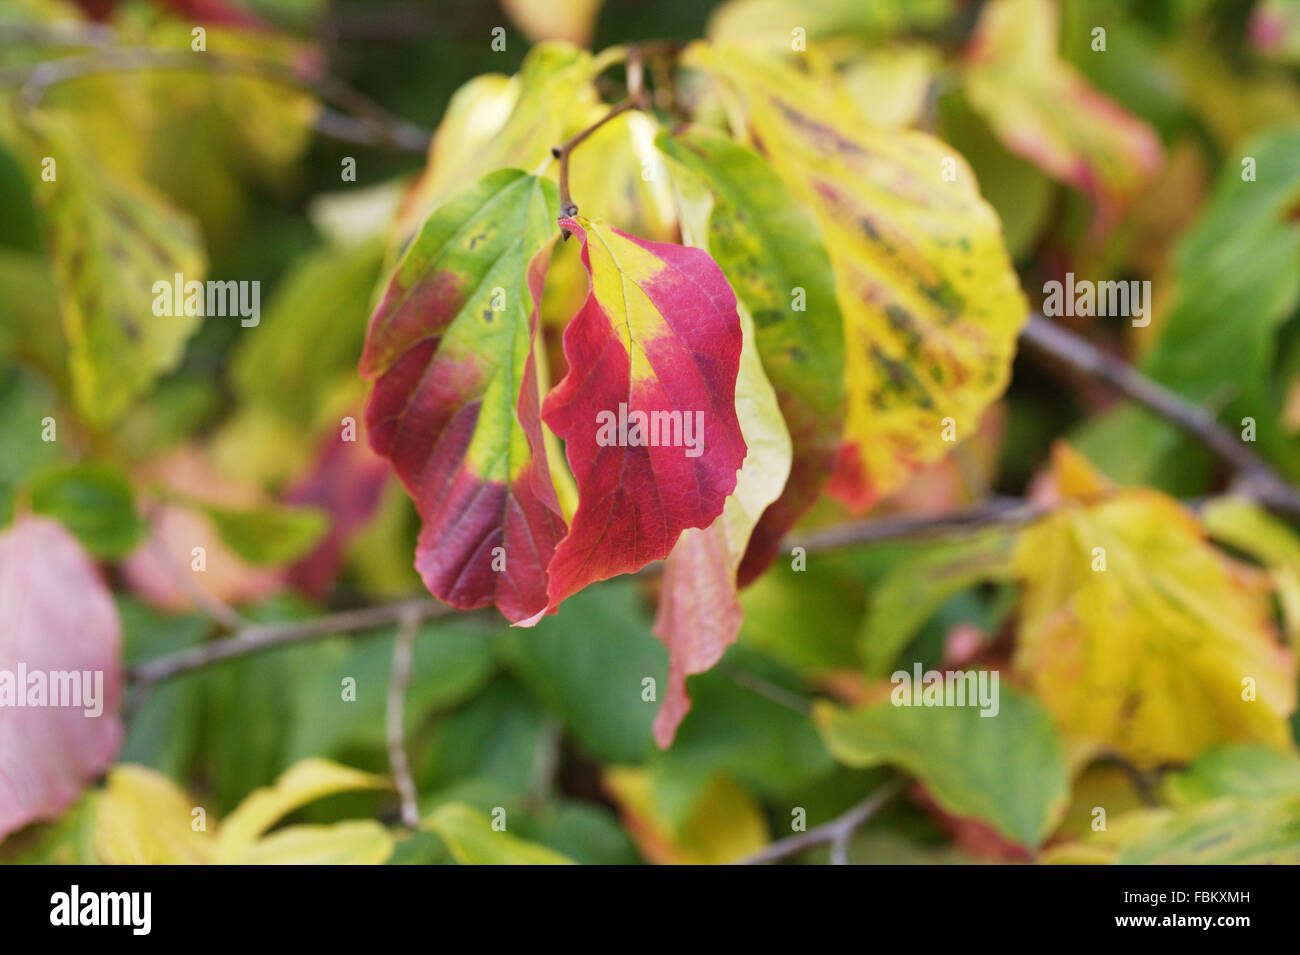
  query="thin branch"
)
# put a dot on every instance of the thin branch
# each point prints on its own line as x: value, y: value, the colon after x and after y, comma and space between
x: 259, y: 638
x: 1258, y: 479
x: 403, y: 651
x: 767, y: 689
x: 367, y: 118
x: 838, y: 832
x: 998, y: 512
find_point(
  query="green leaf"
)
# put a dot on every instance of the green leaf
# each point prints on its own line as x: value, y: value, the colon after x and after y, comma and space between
x: 96, y: 503
x: 163, y: 731
x: 768, y: 245
x: 915, y: 588
x: 587, y: 834
x: 735, y: 729
x: 452, y: 662
x: 1237, y: 279
x: 472, y: 840
x: 1007, y: 770
x: 20, y: 228
x: 586, y: 665
x: 488, y: 753
x: 27, y: 400
x: 270, y: 534
x: 1251, y: 772
x: 29, y: 313
x: 1224, y: 832
x: 110, y: 240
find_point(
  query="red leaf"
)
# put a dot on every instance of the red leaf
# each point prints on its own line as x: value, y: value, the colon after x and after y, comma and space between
x: 699, y: 616
x: 647, y: 407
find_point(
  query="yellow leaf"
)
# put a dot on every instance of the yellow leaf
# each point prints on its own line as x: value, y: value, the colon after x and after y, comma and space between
x: 1044, y: 110
x: 792, y: 27
x: 143, y: 818
x: 722, y: 824
x: 302, y: 783
x: 1139, y: 636
x: 494, y: 122
x: 469, y: 835
x: 1101, y: 847
x: 891, y: 85
x: 1075, y: 477
x: 931, y: 304
x: 571, y: 20
x: 1245, y: 525
x: 111, y: 239
x: 357, y: 842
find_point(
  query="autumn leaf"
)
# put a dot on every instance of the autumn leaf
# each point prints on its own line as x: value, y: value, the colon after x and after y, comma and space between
x: 304, y: 782
x: 721, y: 823
x: 59, y: 630
x: 647, y: 408
x: 347, y: 481
x: 1137, y: 634
x: 768, y: 245
x: 1233, y: 805
x: 1044, y: 110
x: 450, y: 351
x: 931, y: 304
x: 111, y: 239
x: 495, y: 123
x: 185, y: 541
x: 619, y: 172
x: 143, y: 818
x: 699, y: 612
x: 1008, y: 770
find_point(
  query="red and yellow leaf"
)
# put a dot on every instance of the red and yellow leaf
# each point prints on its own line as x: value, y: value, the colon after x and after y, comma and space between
x: 768, y: 244
x: 931, y: 304
x: 1043, y: 109
x: 647, y: 408
x: 699, y: 611
x: 450, y: 351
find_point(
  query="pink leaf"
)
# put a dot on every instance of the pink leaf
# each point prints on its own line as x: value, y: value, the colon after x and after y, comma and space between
x: 56, y: 617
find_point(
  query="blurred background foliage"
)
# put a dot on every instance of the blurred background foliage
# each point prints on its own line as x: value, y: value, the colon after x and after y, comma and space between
x: 550, y: 724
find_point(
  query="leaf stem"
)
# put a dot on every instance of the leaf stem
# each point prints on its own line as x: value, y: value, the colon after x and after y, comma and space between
x: 635, y: 99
